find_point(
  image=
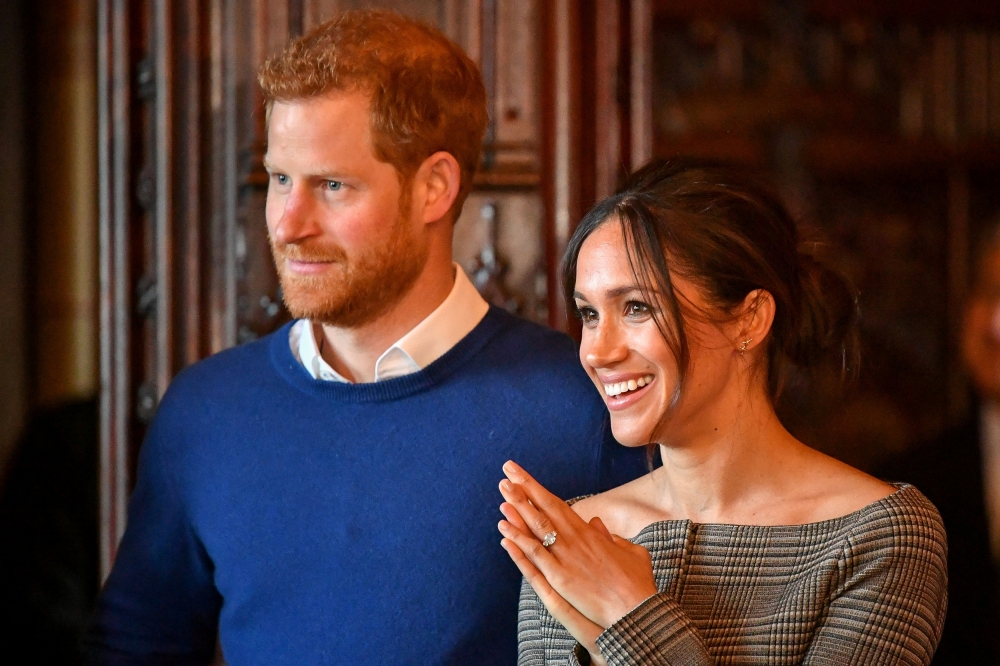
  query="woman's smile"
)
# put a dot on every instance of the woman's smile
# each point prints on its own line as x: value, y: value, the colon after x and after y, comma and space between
x: 621, y: 391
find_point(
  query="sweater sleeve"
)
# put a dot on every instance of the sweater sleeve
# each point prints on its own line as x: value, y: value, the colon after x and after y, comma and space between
x: 530, y: 647
x: 159, y: 605
x: 891, y: 593
x: 657, y: 632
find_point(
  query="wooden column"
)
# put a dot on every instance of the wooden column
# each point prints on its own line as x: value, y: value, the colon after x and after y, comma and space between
x: 561, y: 109
x: 115, y: 147
x: 607, y: 125
x: 640, y: 82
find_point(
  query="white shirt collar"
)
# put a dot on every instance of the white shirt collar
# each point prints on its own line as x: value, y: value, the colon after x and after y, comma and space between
x: 441, y: 330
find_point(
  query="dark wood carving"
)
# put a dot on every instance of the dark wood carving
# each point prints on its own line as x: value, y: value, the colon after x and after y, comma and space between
x: 185, y: 269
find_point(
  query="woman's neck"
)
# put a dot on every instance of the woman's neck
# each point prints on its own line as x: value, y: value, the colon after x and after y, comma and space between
x: 729, y: 467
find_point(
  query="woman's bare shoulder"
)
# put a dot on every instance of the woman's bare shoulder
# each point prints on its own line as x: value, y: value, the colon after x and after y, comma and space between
x: 837, y: 489
x: 624, y: 510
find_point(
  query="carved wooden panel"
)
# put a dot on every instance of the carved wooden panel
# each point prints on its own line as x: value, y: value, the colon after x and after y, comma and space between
x: 181, y: 204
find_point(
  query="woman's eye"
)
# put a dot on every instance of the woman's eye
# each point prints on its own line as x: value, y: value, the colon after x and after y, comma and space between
x: 586, y: 314
x: 333, y: 185
x: 636, y: 309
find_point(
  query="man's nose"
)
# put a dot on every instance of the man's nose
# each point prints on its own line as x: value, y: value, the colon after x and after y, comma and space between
x: 297, y: 218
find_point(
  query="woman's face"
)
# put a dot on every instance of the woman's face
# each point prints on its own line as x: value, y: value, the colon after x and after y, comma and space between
x: 627, y: 358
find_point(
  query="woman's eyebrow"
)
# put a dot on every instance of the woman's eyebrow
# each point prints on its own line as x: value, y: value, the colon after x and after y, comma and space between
x: 616, y: 292
x: 621, y: 291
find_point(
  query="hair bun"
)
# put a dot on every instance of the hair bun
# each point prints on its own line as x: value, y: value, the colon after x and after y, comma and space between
x: 827, y: 318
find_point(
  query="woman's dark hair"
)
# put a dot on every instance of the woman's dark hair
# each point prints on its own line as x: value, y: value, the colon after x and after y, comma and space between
x: 730, y: 235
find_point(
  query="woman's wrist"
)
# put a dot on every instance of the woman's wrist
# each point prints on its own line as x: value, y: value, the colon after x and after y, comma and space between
x: 597, y: 659
x: 627, y: 605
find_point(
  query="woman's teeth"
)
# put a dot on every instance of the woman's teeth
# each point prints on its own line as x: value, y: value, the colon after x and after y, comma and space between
x: 618, y: 388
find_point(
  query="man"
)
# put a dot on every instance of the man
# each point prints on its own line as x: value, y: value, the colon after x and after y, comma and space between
x: 960, y: 474
x: 329, y: 494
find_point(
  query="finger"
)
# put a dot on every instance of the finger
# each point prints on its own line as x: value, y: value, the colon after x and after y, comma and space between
x: 531, y: 547
x: 538, y: 523
x: 578, y: 625
x: 601, y: 528
x: 509, y: 512
x: 535, y: 491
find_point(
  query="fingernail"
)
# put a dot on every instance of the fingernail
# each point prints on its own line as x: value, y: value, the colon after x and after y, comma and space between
x: 502, y: 526
x: 513, y: 471
x: 506, y: 485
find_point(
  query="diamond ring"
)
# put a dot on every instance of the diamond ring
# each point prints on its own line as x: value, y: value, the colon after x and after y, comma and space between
x: 549, y: 539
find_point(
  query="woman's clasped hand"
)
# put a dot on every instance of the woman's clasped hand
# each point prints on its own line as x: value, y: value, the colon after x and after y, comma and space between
x: 588, y: 577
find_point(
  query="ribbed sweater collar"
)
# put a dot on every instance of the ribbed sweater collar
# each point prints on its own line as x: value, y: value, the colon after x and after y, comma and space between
x: 291, y: 370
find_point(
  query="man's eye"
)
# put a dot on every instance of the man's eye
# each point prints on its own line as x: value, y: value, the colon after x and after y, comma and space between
x: 281, y: 178
x: 334, y: 185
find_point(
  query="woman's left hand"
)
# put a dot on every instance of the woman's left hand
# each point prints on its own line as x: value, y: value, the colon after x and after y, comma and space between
x: 600, y: 575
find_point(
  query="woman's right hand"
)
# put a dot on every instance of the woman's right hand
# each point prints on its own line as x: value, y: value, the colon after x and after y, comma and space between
x: 588, y: 578
x: 582, y: 629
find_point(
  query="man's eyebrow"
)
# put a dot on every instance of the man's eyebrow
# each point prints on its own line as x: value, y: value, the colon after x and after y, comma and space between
x: 266, y: 163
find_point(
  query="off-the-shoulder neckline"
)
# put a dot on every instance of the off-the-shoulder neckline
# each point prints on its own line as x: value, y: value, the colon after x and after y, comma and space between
x: 817, y: 526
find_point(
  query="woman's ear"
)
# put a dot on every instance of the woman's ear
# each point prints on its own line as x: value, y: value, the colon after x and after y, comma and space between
x: 754, y: 320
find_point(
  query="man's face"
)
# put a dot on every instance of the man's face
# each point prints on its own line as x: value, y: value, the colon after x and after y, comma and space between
x: 343, y: 241
x: 981, y: 329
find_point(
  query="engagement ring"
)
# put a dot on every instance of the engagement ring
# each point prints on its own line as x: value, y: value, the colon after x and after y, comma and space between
x: 549, y: 539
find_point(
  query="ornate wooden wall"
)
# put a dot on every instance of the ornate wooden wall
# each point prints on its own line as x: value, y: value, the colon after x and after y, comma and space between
x: 185, y: 265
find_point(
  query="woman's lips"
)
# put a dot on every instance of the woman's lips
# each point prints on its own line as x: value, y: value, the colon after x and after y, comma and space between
x: 622, y: 395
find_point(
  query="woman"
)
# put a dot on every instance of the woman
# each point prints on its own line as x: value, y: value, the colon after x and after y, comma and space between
x: 745, y: 546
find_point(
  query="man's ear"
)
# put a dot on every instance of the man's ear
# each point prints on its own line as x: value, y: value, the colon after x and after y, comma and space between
x: 435, y: 186
x: 755, y: 318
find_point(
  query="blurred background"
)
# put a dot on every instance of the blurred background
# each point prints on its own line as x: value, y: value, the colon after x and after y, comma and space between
x: 132, y: 236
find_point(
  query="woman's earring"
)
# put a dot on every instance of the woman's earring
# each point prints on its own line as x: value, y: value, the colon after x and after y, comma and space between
x: 743, y: 347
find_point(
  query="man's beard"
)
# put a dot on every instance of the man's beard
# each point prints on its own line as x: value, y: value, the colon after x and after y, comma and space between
x: 353, y: 291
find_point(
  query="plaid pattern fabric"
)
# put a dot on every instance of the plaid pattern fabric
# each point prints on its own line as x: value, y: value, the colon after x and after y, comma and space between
x: 867, y: 588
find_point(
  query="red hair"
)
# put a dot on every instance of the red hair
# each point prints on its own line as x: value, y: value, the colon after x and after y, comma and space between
x: 427, y: 95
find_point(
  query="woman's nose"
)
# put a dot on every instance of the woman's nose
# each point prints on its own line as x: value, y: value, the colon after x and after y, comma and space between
x: 603, y: 345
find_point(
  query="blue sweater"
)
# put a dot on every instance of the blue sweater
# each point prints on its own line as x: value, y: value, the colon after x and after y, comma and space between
x: 313, y: 522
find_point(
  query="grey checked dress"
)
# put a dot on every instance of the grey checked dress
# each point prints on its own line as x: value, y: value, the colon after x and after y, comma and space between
x: 866, y: 588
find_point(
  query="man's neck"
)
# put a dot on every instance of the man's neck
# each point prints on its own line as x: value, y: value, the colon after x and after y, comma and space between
x: 353, y: 352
